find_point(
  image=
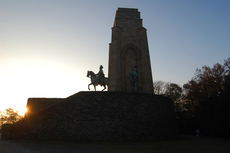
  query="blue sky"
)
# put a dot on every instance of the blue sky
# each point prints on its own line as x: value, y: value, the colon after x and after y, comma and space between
x: 47, y: 46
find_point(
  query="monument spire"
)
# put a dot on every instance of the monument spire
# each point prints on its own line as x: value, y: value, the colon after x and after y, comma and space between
x: 129, y: 49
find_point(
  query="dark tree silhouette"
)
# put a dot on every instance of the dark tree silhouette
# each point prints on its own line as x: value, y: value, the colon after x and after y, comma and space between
x: 208, y: 93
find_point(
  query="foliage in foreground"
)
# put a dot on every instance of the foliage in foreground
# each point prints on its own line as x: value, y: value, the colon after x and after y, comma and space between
x: 9, y: 116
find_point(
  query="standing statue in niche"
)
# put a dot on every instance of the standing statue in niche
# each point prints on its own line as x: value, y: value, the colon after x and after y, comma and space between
x: 97, y: 79
x: 133, y: 78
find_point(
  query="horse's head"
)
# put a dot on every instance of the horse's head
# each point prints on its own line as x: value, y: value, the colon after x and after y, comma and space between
x: 87, y: 74
x: 90, y: 73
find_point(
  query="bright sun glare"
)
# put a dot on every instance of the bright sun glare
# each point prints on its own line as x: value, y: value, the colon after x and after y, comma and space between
x: 22, y: 111
x: 37, y: 82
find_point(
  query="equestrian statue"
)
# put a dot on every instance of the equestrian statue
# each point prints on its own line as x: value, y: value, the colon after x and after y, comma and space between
x: 97, y: 79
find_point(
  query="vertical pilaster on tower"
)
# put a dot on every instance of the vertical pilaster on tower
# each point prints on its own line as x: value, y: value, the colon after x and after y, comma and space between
x: 129, y: 49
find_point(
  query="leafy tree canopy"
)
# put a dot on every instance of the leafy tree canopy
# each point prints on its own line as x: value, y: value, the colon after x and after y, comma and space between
x: 207, y: 82
x: 9, y: 116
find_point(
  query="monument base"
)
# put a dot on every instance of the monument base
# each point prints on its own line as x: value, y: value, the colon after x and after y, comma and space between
x: 102, y: 116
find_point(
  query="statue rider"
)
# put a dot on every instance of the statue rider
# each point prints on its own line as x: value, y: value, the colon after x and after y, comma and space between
x: 133, y: 78
x: 100, y: 75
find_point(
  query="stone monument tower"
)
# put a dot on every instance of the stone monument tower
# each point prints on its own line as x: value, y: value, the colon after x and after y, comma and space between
x: 119, y: 116
x: 129, y: 50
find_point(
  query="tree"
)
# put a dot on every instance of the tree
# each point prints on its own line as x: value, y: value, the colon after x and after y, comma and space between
x: 10, y: 116
x: 174, y: 91
x: 227, y: 66
x: 171, y: 90
x: 208, y: 92
x: 206, y: 82
x: 158, y: 87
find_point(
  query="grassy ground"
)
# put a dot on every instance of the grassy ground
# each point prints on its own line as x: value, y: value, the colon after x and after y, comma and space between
x: 187, y: 143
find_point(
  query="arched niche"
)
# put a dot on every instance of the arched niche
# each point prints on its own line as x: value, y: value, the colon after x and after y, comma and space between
x: 130, y: 57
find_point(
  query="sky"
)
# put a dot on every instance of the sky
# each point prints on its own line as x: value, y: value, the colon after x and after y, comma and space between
x: 47, y: 46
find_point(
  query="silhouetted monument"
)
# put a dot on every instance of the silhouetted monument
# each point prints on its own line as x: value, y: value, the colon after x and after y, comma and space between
x: 106, y: 116
x: 129, y: 49
x: 97, y: 79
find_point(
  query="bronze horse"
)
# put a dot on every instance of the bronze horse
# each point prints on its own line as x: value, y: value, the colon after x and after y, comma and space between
x: 94, y: 80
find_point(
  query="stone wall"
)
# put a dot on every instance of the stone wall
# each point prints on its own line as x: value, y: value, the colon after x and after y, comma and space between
x: 35, y: 105
x: 6, y: 131
x: 102, y: 116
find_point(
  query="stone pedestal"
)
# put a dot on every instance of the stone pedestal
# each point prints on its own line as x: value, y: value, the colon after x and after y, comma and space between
x: 129, y: 49
x: 100, y: 116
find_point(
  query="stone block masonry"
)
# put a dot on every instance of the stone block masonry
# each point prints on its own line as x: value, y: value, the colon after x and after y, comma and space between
x: 102, y: 116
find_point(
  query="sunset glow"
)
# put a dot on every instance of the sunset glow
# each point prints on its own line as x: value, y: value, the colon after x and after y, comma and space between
x: 47, y: 47
x: 37, y: 81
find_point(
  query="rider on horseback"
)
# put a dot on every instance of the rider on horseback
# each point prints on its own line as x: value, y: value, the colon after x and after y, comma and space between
x: 100, y: 75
